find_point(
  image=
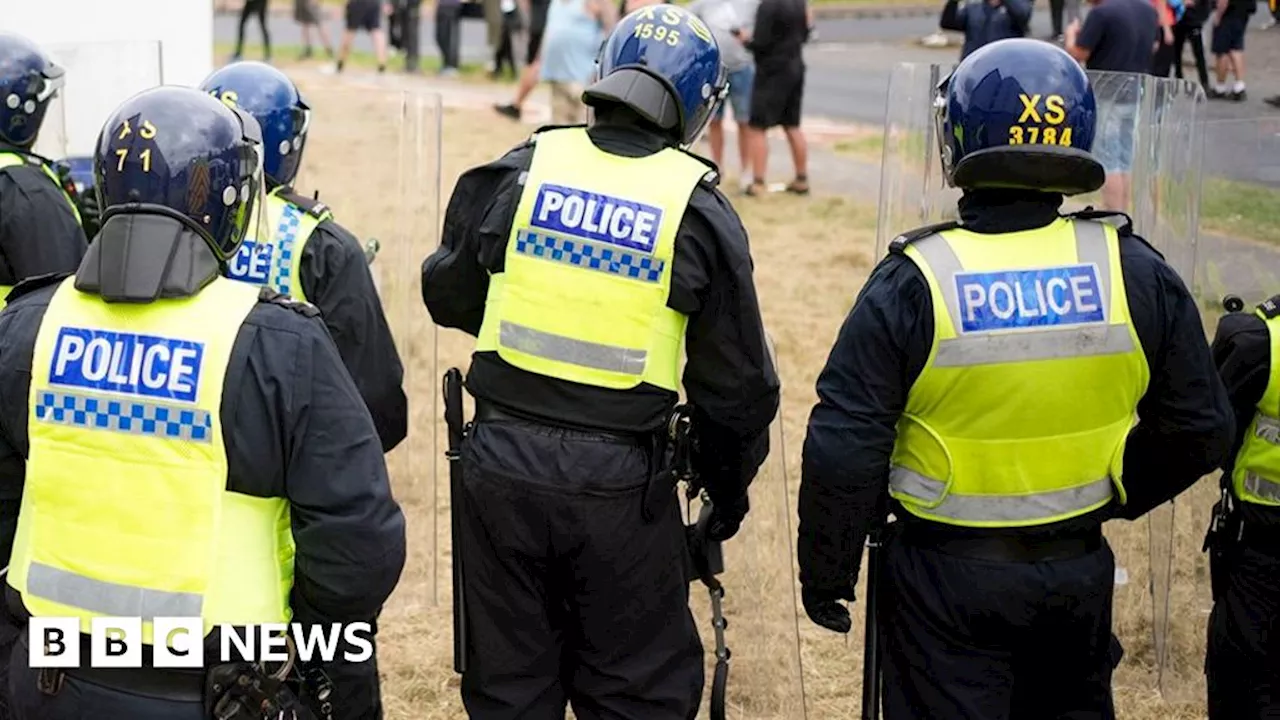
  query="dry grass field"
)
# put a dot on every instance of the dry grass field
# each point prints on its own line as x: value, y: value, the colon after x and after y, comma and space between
x: 811, y: 255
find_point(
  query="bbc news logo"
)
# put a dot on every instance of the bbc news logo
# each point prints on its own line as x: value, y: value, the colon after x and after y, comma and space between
x: 116, y: 642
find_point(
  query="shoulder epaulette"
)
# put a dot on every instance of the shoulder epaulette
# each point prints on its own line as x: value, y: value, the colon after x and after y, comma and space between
x: 311, y: 206
x: 275, y: 297
x: 35, y: 282
x: 1116, y: 219
x: 900, y: 243
x: 1270, y: 308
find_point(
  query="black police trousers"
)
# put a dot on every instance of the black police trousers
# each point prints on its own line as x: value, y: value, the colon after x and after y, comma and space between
x: 78, y: 699
x: 1242, y: 665
x: 572, y: 597
x: 977, y: 639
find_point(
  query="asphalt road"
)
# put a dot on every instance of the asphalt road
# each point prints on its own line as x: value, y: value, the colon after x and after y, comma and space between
x: 852, y: 60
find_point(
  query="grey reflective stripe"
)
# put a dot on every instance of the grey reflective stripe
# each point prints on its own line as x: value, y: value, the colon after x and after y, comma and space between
x: 1025, y: 345
x: 106, y: 598
x: 1259, y: 486
x: 568, y: 350
x: 1267, y: 428
x: 997, y: 508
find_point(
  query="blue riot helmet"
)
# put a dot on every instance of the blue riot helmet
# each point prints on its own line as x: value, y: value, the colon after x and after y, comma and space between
x: 1018, y: 113
x: 275, y: 102
x: 663, y: 63
x: 178, y: 152
x: 28, y: 81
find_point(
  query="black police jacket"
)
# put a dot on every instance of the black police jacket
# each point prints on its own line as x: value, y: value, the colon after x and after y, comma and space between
x: 1242, y: 352
x: 1185, y: 427
x: 729, y: 377
x: 294, y: 427
x: 38, y: 230
x: 336, y: 278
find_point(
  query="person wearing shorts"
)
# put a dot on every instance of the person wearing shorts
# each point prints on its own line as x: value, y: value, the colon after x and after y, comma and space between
x: 364, y: 15
x: 307, y: 14
x: 723, y: 17
x: 1230, y: 21
x: 781, y: 30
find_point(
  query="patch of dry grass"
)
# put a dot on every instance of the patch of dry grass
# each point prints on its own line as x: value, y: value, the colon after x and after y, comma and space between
x: 811, y: 257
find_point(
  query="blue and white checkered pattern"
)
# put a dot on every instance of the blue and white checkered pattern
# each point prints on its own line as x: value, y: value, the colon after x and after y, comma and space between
x: 286, y: 235
x: 127, y: 416
x: 589, y: 256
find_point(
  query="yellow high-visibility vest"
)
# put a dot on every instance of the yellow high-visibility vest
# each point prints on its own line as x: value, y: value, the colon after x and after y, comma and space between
x: 126, y: 511
x: 1032, y: 384
x: 278, y: 262
x: 583, y: 295
x: 10, y: 159
x: 1256, y: 475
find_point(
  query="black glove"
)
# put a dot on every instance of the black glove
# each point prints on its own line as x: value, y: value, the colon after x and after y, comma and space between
x: 90, y: 214
x: 726, y: 518
x: 823, y: 608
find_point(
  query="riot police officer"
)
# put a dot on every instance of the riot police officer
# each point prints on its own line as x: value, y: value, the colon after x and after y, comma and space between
x: 40, y: 228
x: 173, y: 443
x: 581, y: 260
x: 306, y: 253
x: 1243, y: 661
x: 995, y: 433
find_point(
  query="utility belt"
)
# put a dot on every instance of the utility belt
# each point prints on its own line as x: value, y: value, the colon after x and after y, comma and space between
x: 668, y: 446
x: 1010, y: 548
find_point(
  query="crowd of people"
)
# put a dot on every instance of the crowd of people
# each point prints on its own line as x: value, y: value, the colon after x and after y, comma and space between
x: 1143, y: 36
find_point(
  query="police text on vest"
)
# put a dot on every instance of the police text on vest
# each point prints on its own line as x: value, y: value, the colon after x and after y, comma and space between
x: 127, y: 363
x: 594, y: 216
x: 251, y: 263
x: 1010, y: 299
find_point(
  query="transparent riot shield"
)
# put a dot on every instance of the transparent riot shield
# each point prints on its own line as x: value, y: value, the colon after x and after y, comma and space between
x: 759, y: 603
x: 373, y: 157
x: 1150, y: 137
x: 99, y: 76
x: 1238, y: 254
x: 913, y: 192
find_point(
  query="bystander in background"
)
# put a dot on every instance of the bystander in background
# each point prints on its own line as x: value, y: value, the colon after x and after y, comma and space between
x: 985, y: 21
x: 1167, y: 14
x: 723, y: 17
x: 405, y: 29
x: 504, y: 57
x: 251, y: 8
x: 364, y: 15
x: 308, y: 16
x: 449, y: 35
x: 777, y: 45
x: 571, y: 40
x: 1061, y: 13
x: 1188, y: 31
x: 1117, y: 36
x: 1230, y: 23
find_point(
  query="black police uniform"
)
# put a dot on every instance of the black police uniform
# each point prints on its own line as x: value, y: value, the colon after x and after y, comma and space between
x: 336, y: 279
x: 1242, y: 664
x: 555, y: 471
x: 38, y: 229
x: 294, y: 428
x: 972, y: 598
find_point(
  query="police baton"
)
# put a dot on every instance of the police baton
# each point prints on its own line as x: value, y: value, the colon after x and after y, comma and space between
x: 871, y: 634
x: 457, y: 432
x: 371, y: 249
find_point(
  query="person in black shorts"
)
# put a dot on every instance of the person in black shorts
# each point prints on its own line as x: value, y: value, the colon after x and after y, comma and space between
x: 781, y: 30
x: 1230, y: 20
x: 364, y: 15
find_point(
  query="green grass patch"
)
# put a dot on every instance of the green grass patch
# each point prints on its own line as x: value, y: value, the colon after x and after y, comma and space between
x: 868, y: 147
x: 1240, y: 209
x: 291, y: 54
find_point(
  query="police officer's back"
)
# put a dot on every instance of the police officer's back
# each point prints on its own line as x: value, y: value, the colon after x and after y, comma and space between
x: 995, y: 378
x: 1243, y: 663
x: 581, y: 261
x: 180, y: 444
x: 39, y: 222
x: 306, y: 254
